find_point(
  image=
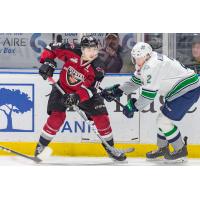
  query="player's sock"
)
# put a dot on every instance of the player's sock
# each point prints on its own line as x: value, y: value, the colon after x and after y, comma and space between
x: 174, y: 138
x: 41, y: 145
x: 110, y: 141
x: 161, y: 140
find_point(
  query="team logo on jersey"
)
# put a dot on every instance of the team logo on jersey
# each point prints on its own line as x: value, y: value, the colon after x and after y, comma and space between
x: 74, y: 60
x: 74, y: 77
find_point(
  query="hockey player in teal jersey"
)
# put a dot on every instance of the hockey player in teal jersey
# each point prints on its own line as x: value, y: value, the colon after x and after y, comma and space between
x: 157, y: 74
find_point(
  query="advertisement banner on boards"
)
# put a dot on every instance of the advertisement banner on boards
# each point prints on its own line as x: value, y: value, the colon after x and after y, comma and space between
x: 23, y: 50
x: 23, y: 105
x: 23, y: 108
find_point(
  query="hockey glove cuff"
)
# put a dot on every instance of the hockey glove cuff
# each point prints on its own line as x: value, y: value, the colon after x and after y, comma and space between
x: 130, y: 108
x: 47, y: 68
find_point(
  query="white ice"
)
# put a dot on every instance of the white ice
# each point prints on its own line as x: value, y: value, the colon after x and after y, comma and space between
x: 90, y: 161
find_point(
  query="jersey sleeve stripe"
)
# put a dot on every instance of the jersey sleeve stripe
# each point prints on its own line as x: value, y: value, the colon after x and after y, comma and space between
x: 148, y: 90
x: 136, y: 80
x: 167, y: 134
x: 149, y: 94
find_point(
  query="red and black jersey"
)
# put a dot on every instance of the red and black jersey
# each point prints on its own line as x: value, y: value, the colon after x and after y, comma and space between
x: 75, y: 76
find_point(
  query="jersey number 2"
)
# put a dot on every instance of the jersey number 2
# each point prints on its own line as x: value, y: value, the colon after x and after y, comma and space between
x: 148, y: 78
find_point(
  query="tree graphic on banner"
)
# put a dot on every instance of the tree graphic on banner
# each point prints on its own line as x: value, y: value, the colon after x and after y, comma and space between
x: 13, y: 101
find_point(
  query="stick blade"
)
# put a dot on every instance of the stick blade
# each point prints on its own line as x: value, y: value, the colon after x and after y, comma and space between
x: 129, y: 150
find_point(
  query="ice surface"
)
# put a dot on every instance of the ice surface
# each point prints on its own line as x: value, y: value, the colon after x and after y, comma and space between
x: 90, y: 161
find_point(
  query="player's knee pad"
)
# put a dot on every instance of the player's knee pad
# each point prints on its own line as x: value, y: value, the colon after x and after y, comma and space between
x: 102, y: 124
x: 54, y: 122
x: 164, y: 124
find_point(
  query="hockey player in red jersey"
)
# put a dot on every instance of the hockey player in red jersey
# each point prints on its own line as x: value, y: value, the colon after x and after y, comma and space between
x: 79, y: 77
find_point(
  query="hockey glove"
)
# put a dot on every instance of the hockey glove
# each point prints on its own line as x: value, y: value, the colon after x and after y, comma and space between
x: 130, y: 108
x: 110, y: 93
x: 71, y: 99
x: 47, y: 68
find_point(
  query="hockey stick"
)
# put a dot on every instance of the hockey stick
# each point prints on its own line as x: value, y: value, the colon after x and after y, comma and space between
x: 35, y: 159
x: 113, y: 150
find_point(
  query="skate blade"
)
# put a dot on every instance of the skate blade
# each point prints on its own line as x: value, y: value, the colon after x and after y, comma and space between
x: 45, y: 154
x: 177, y: 161
x: 159, y: 159
x: 119, y: 162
